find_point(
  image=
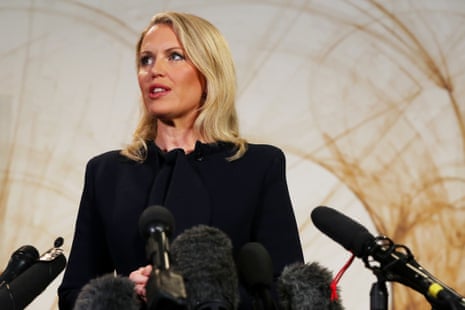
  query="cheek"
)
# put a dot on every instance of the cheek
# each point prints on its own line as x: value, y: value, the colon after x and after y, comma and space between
x: 142, y: 81
x: 140, y: 78
x: 195, y: 84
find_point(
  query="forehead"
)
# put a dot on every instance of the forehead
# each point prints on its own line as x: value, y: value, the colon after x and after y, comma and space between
x: 160, y: 35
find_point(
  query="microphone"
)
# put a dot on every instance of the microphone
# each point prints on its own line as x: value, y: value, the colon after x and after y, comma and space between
x: 203, y: 256
x: 32, y: 282
x: 106, y: 293
x: 306, y: 286
x: 156, y: 225
x: 386, y: 259
x: 20, y: 260
x: 256, y: 271
x: 165, y: 289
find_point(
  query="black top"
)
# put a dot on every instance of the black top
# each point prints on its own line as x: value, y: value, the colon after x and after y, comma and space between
x: 247, y: 198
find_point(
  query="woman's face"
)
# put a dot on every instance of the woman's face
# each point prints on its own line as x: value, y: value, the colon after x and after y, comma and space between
x: 171, y: 86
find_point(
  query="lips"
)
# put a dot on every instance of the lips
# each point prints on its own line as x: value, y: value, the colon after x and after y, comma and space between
x: 156, y: 91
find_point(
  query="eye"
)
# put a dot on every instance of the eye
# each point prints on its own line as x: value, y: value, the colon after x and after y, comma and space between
x: 175, y: 56
x: 145, y: 60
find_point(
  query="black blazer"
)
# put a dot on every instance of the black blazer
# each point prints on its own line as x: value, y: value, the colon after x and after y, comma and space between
x: 247, y: 198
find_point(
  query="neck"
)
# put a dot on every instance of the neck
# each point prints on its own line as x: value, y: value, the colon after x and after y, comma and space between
x: 171, y: 137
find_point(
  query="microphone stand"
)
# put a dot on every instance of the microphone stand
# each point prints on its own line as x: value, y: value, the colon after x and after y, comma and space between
x: 379, y: 294
x: 165, y: 289
x: 397, y: 260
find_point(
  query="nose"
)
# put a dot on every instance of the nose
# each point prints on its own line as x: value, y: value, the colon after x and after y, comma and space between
x: 157, y: 68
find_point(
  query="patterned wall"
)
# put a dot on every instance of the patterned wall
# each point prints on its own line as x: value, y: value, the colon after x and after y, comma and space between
x: 365, y: 97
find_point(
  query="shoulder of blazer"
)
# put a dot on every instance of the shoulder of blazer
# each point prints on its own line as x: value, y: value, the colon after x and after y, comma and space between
x: 263, y: 152
x: 110, y: 160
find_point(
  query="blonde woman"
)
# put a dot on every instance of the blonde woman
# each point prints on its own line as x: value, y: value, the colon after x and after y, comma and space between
x: 211, y: 175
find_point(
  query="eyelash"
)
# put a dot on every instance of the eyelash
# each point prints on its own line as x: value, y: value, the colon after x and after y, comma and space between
x: 176, y: 54
x: 146, y: 60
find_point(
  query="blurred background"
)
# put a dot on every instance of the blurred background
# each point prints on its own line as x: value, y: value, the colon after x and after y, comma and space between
x: 365, y: 97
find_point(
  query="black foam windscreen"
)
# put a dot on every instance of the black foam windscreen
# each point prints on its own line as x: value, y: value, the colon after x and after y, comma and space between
x: 108, y: 292
x: 203, y: 256
x: 154, y: 216
x: 255, y: 265
x: 20, y: 260
x: 256, y: 271
x: 342, y: 229
x: 31, y: 283
x: 306, y: 286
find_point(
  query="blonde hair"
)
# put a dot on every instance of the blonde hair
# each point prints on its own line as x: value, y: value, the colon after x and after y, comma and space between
x: 209, y: 52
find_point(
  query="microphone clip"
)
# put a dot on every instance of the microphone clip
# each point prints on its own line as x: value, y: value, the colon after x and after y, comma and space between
x: 393, y: 262
x: 54, y: 252
x: 384, y: 255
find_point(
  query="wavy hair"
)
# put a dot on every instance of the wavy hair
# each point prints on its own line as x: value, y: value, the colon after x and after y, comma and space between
x: 209, y: 52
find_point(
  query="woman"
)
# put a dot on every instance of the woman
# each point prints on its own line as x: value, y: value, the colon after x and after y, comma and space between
x: 186, y: 155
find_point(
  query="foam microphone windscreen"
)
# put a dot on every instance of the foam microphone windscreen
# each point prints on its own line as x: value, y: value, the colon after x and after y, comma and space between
x: 203, y: 256
x: 20, y: 260
x: 306, y: 286
x: 153, y: 217
x: 256, y: 270
x: 31, y: 283
x: 255, y: 265
x: 108, y: 292
x: 342, y: 229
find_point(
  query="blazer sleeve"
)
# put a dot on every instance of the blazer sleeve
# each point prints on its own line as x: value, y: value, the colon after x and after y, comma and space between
x: 275, y: 224
x: 89, y: 256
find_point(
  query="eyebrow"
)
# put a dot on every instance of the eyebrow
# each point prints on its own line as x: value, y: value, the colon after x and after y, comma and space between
x: 170, y: 49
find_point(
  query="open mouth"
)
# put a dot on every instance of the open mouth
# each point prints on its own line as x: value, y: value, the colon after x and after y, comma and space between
x: 158, y: 91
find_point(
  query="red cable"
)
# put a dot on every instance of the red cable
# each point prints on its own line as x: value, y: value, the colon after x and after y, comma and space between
x: 335, y: 281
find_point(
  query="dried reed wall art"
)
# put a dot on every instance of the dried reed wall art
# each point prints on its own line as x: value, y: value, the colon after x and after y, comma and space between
x: 365, y: 97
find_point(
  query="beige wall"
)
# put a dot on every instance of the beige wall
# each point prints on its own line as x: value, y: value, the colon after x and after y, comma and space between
x: 366, y: 100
